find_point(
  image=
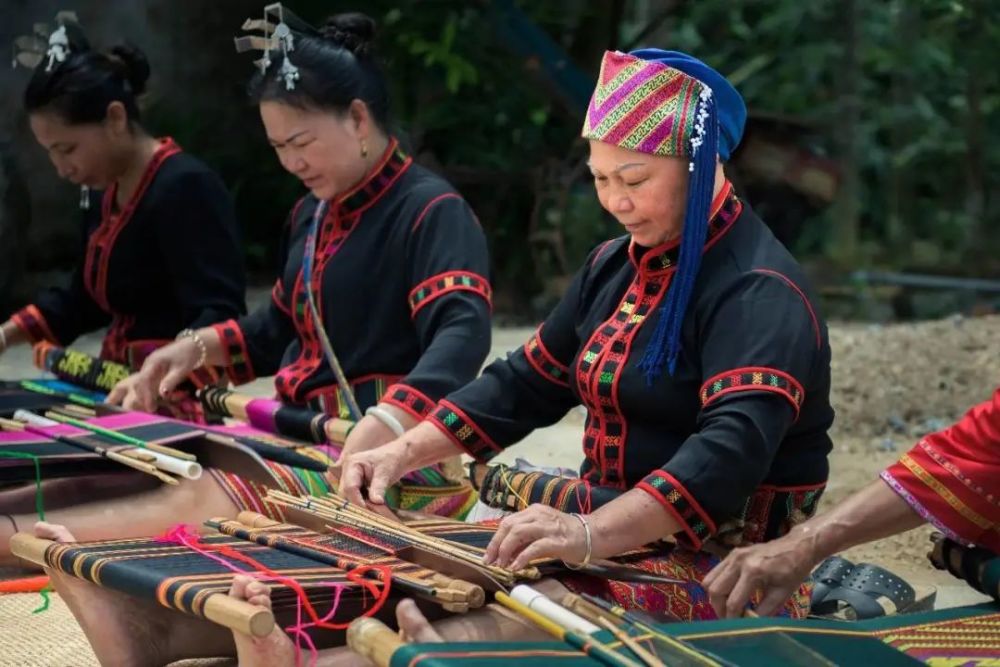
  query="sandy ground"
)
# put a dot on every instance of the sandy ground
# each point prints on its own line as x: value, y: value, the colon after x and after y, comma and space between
x: 891, y: 384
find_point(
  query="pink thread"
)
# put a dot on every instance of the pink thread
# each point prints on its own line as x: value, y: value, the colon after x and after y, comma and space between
x: 184, y: 535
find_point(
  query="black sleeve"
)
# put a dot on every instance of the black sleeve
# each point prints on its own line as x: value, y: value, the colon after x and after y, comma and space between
x: 527, y: 390
x: 760, y: 344
x: 201, y: 247
x: 62, y: 314
x: 255, y: 343
x: 449, y: 300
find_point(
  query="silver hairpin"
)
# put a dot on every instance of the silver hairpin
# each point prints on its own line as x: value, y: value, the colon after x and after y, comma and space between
x: 31, y: 50
x: 277, y: 36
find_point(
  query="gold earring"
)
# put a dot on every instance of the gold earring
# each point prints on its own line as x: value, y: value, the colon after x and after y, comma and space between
x: 364, y: 149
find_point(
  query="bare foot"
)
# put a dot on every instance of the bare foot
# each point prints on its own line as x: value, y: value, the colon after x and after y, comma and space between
x: 414, y: 626
x: 53, y: 531
x: 124, y: 630
x: 275, y: 650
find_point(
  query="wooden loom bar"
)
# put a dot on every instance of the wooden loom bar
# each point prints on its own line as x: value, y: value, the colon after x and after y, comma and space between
x: 219, y: 608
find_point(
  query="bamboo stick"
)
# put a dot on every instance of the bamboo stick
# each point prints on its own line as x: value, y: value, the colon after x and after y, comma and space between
x: 110, y: 454
x: 648, y: 658
x: 373, y: 640
x: 588, y: 645
x: 121, y: 437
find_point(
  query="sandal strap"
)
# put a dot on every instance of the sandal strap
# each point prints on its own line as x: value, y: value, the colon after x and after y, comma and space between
x: 873, y: 591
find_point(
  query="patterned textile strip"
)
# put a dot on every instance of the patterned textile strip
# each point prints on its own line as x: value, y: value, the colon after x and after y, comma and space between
x: 454, y: 423
x: 674, y: 602
x: 544, y: 363
x: 670, y: 493
x: 237, y: 355
x: 446, y: 283
x: 753, y: 378
x: 408, y: 399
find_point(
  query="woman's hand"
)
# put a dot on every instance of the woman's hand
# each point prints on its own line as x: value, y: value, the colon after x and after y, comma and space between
x: 775, y: 568
x: 372, y: 472
x: 537, y: 532
x: 162, y: 371
x: 367, y: 434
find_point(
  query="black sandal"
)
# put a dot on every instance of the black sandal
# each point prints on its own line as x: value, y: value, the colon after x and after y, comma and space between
x: 870, y: 591
x: 826, y: 578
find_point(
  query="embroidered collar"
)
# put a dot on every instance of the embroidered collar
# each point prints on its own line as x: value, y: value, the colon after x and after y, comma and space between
x: 375, y: 184
x: 166, y: 148
x: 726, y: 207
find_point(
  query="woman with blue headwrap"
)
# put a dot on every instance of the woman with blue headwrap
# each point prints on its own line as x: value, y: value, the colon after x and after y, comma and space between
x: 691, y: 341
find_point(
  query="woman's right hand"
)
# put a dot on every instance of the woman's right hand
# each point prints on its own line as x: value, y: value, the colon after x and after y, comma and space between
x: 163, y: 370
x: 370, y: 473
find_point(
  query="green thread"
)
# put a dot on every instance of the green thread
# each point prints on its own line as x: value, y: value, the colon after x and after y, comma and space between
x: 39, y: 506
x: 44, y: 606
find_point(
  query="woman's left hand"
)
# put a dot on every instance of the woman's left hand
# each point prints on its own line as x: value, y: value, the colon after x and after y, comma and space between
x: 537, y: 532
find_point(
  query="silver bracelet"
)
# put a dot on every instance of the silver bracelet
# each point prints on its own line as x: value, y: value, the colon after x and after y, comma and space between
x: 590, y: 545
x: 386, y: 418
x: 202, y: 348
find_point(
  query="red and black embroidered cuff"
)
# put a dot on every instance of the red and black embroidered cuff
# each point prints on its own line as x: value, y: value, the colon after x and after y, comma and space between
x: 753, y: 378
x: 408, y: 399
x: 445, y: 283
x: 696, y: 523
x: 30, y: 320
x: 454, y: 423
x: 543, y: 362
x: 238, y: 366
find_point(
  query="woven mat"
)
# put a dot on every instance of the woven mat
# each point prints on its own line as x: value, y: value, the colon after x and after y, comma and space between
x: 52, y: 638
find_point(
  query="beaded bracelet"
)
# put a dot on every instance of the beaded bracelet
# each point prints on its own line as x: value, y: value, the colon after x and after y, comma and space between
x: 386, y: 418
x: 586, y: 559
x: 202, y: 348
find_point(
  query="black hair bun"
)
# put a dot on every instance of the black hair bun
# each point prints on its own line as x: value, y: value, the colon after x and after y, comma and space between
x: 354, y: 31
x: 134, y: 66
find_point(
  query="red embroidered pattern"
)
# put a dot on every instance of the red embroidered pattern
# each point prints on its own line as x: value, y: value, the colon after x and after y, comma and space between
x: 409, y: 399
x: 445, y: 283
x: 543, y: 362
x: 454, y: 423
x: 753, y: 378
x: 102, y: 240
x: 238, y: 366
x: 670, y: 493
x: 341, y: 219
x: 598, y: 369
x: 31, y: 321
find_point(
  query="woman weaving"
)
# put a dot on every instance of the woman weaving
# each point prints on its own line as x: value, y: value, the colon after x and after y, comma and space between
x: 398, y: 279
x: 156, y: 221
x: 161, y: 247
x: 692, y: 343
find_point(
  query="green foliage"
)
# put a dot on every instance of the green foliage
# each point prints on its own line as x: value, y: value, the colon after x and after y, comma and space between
x: 927, y: 149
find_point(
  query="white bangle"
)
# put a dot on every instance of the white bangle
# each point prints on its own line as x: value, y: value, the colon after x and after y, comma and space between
x: 386, y: 418
x: 202, y: 348
x: 586, y: 559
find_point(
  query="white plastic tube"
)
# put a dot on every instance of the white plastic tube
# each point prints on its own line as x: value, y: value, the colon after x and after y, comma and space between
x: 556, y: 613
x: 166, y: 463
